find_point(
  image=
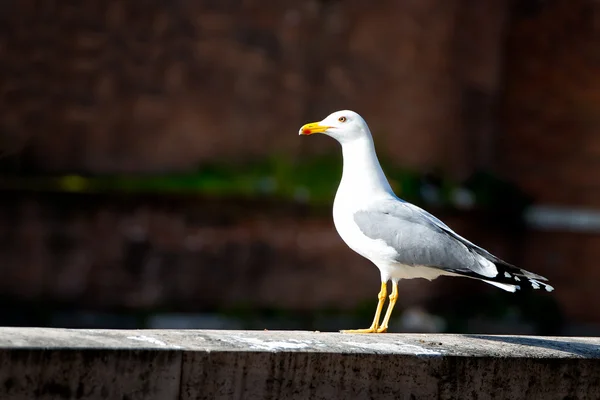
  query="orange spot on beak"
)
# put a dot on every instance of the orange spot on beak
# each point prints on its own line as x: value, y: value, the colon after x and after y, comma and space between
x: 312, y: 128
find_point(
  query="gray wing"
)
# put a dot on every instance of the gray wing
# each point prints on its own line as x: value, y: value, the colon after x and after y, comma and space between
x: 417, y: 214
x: 420, y: 239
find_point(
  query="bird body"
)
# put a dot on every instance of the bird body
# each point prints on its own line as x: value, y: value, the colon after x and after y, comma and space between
x: 401, y: 239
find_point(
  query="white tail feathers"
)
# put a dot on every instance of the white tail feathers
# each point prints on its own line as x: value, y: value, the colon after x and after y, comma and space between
x: 505, y: 286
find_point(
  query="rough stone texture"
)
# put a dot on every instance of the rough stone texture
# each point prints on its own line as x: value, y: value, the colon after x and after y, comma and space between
x: 86, y: 364
x: 193, y: 255
x: 119, y: 86
x: 92, y: 374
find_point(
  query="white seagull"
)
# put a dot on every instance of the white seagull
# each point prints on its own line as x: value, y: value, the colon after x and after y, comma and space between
x: 401, y: 239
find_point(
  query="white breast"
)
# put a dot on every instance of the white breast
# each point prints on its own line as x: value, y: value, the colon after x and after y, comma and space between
x: 375, y: 250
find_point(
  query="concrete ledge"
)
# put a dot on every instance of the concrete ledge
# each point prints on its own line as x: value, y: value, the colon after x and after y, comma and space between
x: 186, y: 364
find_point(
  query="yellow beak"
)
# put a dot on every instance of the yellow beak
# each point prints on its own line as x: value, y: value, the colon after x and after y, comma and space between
x: 312, y: 128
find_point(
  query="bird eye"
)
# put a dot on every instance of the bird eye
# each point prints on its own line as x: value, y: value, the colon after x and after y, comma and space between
x: 342, y: 119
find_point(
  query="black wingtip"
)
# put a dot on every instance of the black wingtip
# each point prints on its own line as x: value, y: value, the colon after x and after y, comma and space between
x: 509, y: 274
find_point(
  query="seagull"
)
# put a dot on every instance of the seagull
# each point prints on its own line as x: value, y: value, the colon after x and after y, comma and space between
x: 402, y: 240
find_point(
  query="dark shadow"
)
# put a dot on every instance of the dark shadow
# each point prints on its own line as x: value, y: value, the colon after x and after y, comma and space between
x: 586, y: 350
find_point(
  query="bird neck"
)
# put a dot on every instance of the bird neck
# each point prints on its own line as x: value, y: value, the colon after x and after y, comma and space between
x: 362, y: 172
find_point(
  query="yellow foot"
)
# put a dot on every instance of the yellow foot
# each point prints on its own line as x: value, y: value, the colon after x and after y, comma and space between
x: 367, y: 330
x: 383, y: 329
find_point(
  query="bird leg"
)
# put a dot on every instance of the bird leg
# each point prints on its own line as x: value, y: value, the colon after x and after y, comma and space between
x: 388, y: 313
x: 375, y: 324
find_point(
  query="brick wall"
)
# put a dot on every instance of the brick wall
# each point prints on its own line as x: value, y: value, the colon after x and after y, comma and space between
x: 570, y: 260
x: 108, y: 86
x: 549, y: 144
x: 193, y: 255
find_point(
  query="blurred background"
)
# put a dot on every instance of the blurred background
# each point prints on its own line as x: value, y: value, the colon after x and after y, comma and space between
x: 151, y: 174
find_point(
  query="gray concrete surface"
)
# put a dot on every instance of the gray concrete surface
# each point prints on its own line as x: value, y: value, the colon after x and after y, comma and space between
x: 187, y: 364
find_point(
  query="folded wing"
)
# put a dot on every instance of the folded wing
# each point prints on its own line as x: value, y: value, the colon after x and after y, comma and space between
x: 420, y: 239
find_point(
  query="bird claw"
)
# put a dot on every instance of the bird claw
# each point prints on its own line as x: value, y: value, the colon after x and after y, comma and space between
x: 367, y: 330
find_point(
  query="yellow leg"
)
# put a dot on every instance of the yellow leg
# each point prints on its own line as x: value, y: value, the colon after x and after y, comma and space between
x: 388, y: 312
x: 375, y: 324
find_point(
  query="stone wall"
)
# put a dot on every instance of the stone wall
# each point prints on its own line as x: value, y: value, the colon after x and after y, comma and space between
x: 199, y: 364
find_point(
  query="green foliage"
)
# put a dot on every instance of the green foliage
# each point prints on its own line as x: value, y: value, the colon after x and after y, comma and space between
x: 310, y: 180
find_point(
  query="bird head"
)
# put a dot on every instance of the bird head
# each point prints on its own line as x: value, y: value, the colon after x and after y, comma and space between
x: 344, y: 126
